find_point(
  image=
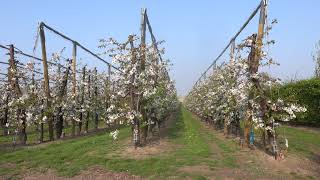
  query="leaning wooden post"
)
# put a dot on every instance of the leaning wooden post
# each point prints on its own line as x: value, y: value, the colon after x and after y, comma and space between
x: 144, y: 127
x: 254, y: 60
x: 46, y: 81
x: 143, y: 38
x: 263, y: 102
x: 74, y: 84
x: 232, y: 48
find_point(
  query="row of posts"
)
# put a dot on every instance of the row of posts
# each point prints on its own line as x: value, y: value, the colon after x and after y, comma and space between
x: 46, y: 80
x: 253, y: 62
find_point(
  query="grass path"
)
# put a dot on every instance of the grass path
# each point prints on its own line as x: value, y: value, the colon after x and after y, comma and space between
x: 197, y: 152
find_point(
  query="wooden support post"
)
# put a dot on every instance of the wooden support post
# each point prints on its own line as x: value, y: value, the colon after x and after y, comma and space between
x: 144, y: 127
x: 96, y: 115
x: 46, y: 82
x: 74, y: 84
x: 136, y: 125
x: 90, y: 99
x: 254, y: 60
x: 251, y: 63
x: 143, y: 38
x: 109, y: 80
x: 82, y: 99
x: 232, y: 47
x: 108, y: 92
x: 263, y: 102
x: 262, y: 21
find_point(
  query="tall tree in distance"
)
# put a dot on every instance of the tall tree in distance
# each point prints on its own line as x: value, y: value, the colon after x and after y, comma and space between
x: 316, y: 58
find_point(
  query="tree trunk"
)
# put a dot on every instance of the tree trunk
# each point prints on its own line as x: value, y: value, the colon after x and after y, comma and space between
x: 90, y: 98
x: 62, y: 92
x: 5, y: 118
x: 59, y: 124
x: 22, y: 129
x: 96, y: 114
x: 14, y: 82
x: 82, y: 99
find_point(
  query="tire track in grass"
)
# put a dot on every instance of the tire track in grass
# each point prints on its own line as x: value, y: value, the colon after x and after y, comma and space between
x: 221, y: 149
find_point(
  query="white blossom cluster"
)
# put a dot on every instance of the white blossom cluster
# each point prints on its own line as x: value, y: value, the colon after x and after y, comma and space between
x: 142, y: 84
x: 33, y: 101
x: 224, y: 96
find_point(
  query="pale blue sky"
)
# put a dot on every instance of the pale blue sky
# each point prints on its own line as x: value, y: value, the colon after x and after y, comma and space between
x: 194, y: 31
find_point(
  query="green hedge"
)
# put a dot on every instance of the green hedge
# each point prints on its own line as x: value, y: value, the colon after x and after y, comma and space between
x: 306, y: 93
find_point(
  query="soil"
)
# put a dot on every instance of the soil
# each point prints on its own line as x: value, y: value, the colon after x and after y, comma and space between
x: 157, y: 144
x: 90, y: 174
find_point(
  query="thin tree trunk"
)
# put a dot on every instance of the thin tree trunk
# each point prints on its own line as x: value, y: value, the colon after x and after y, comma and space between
x: 96, y: 115
x: 89, y: 97
x: 62, y: 92
x: 82, y: 99
x: 5, y: 118
x: 134, y: 102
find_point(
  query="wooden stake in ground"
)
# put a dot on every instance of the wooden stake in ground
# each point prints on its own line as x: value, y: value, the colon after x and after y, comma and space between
x: 144, y: 126
x: 46, y: 82
x: 136, y: 124
x: 252, y: 70
x: 82, y: 99
x: 107, y: 93
x: 89, y: 97
x: 254, y: 60
x: 95, y: 88
x: 74, y: 83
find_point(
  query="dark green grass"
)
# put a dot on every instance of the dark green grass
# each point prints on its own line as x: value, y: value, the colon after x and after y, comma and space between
x: 301, y: 141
